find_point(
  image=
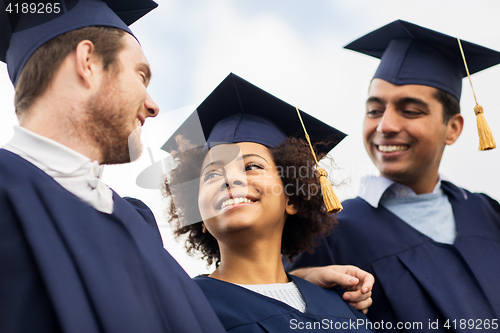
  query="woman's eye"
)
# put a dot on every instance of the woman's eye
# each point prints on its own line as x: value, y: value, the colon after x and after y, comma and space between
x: 253, y: 166
x: 211, y: 174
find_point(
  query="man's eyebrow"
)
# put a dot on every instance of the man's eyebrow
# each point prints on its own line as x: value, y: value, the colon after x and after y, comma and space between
x: 401, y: 101
x: 239, y: 158
x: 373, y: 99
x: 412, y: 100
x: 143, y: 67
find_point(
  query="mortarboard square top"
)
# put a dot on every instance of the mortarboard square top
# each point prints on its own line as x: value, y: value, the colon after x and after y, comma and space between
x: 411, y: 54
x: 238, y: 111
x: 22, y: 34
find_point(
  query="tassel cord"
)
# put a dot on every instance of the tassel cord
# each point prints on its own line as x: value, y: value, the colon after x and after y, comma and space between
x: 331, y: 200
x: 486, y: 140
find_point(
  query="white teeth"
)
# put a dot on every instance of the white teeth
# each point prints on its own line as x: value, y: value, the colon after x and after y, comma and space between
x: 234, y: 201
x: 391, y: 149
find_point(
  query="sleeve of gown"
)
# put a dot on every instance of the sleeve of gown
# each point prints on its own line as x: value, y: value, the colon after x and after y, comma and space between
x: 145, y: 212
x: 491, y: 202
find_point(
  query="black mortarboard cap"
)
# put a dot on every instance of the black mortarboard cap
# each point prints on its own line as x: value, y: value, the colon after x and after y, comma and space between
x: 238, y: 111
x: 22, y: 34
x: 411, y: 54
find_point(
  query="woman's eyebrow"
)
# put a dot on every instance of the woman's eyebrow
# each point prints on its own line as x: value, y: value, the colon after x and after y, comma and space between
x: 253, y: 155
x: 219, y: 162
x: 211, y: 164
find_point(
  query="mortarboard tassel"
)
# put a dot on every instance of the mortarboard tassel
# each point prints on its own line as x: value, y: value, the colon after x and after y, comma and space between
x: 486, y: 140
x: 331, y: 200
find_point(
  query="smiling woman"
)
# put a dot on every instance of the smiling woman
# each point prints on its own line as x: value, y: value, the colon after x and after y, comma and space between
x: 264, y: 176
x: 248, y: 196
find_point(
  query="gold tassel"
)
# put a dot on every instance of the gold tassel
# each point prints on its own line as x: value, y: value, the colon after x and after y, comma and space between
x: 486, y: 140
x: 332, y: 202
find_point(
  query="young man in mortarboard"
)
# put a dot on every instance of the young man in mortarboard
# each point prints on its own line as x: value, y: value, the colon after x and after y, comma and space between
x: 74, y: 255
x: 434, y: 248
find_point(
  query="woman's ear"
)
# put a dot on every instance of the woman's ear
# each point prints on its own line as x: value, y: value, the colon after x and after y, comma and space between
x: 290, y: 208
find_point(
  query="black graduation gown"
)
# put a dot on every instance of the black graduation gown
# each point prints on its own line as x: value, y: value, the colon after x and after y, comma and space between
x: 65, y: 266
x: 416, y: 278
x: 242, y: 310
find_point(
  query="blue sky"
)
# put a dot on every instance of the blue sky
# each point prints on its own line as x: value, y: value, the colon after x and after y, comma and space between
x: 293, y: 49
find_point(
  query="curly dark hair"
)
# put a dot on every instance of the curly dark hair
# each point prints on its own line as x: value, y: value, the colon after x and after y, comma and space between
x: 300, y: 231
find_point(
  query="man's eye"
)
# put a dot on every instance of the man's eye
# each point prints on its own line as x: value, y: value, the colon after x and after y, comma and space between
x: 411, y: 113
x: 253, y: 166
x: 374, y: 113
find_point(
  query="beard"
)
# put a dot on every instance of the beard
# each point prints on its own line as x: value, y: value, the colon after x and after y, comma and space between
x: 107, y: 125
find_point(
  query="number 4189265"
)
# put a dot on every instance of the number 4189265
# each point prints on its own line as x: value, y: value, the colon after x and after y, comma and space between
x: 33, y: 8
x: 471, y: 324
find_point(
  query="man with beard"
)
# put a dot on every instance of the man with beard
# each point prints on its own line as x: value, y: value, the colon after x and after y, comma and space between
x: 74, y: 255
x: 434, y: 248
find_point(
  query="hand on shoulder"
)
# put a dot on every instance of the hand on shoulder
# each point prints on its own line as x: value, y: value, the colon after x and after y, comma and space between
x: 357, y: 282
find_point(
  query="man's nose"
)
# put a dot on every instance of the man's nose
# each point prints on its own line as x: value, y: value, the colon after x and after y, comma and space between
x: 151, y: 106
x: 389, y: 123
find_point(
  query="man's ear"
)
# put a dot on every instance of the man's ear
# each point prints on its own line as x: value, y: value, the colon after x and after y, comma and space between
x: 290, y: 208
x: 86, y: 60
x: 454, y: 128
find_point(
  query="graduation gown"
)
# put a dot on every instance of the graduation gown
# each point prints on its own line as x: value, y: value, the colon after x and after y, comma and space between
x: 242, y: 310
x: 66, y: 267
x: 416, y: 278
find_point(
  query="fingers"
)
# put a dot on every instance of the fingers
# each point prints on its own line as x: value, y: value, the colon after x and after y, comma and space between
x: 366, y: 279
x: 356, y: 296
x: 347, y: 277
x: 359, y: 300
x: 326, y: 277
x: 357, y: 282
x: 330, y: 277
x: 363, y: 306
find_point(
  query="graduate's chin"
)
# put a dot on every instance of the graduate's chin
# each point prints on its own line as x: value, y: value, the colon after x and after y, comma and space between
x: 134, y: 144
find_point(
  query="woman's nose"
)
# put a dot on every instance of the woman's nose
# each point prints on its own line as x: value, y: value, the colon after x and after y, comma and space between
x: 231, y: 181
